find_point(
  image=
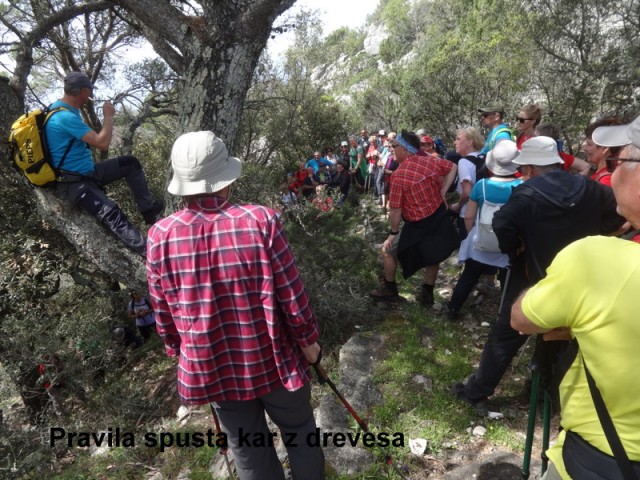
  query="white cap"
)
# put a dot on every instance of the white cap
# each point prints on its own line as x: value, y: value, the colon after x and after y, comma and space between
x: 618, y: 135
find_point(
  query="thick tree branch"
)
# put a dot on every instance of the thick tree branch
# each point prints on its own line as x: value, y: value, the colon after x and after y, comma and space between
x: 24, y: 56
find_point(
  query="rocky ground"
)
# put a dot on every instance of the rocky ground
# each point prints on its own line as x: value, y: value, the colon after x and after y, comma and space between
x: 352, y: 373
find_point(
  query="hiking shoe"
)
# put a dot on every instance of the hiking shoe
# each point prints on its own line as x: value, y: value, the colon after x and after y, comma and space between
x: 425, y: 297
x: 488, y: 290
x: 445, y: 309
x: 386, y: 291
x: 451, y: 313
x: 479, y: 406
x: 151, y: 216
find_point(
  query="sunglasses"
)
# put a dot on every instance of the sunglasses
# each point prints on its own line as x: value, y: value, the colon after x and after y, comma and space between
x: 394, y: 145
x: 613, y: 162
x: 488, y: 114
x: 522, y: 120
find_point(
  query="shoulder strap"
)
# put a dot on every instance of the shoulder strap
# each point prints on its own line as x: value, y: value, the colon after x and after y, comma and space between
x: 609, y: 429
x: 484, y: 192
x: 507, y: 130
x: 148, y: 304
x: 477, y: 160
x: 631, y: 234
x: 50, y: 113
x: 492, y: 139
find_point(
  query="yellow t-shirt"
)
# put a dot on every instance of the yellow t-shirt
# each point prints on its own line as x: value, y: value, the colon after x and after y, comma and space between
x: 593, y: 287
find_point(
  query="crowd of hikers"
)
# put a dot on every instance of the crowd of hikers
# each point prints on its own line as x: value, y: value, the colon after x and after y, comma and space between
x: 528, y: 220
x: 362, y: 163
x: 519, y: 201
x: 534, y: 223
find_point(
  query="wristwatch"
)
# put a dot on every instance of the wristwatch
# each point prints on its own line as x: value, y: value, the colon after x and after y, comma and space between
x: 391, y: 232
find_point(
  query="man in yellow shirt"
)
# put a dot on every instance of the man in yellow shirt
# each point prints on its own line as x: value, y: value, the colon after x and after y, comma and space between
x: 597, y: 303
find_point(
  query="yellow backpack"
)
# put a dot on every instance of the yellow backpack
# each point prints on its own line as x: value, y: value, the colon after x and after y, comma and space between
x: 29, y: 149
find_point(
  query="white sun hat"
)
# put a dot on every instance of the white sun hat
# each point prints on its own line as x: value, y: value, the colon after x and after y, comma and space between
x: 201, y: 164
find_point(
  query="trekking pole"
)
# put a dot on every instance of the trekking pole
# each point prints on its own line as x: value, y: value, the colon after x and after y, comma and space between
x: 546, y: 428
x: 324, y: 378
x: 536, y: 381
x: 223, y: 450
x: 504, y: 290
x: 531, y: 423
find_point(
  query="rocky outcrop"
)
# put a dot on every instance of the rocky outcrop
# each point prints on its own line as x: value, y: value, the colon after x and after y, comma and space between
x: 357, y: 361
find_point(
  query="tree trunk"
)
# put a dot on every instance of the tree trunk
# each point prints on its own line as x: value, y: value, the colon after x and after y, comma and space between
x: 215, y: 54
x: 218, y: 54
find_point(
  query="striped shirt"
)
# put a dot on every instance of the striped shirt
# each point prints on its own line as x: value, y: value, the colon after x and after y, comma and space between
x: 416, y: 184
x: 229, y: 301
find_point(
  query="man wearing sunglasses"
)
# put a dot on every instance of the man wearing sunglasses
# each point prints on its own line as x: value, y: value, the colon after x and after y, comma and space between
x: 597, y: 305
x: 492, y: 119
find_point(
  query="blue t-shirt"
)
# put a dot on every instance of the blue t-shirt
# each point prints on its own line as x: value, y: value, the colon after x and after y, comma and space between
x: 312, y: 162
x: 495, y: 136
x: 496, y: 192
x: 63, y: 127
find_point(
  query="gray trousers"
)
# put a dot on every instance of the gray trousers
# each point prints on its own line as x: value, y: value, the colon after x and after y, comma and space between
x: 89, y: 195
x: 248, y: 435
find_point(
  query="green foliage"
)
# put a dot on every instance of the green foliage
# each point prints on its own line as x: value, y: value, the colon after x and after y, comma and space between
x: 154, y: 152
x: 336, y: 262
x: 586, y: 59
x: 288, y: 117
x: 342, y: 41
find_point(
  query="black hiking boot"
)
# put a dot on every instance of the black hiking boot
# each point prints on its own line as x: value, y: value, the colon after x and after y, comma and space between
x: 479, y: 406
x: 386, y: 291
x: 425, y: 295
x: 450, y: 313
x: 151, y: 216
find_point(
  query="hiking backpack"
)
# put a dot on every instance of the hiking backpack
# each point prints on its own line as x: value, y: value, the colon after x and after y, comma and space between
x: 29, y: 150
x: 479, y: 161
x: 485, y: 238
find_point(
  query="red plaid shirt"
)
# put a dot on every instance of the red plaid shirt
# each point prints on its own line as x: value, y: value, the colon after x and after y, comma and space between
x: 229, y: 301
x: 416, y: 184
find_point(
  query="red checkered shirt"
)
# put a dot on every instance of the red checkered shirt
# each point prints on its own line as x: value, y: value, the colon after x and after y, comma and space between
x: 229, y: 301
x: 416, y: 184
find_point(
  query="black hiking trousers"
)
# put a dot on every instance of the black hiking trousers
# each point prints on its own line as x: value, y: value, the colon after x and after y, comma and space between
x: 501, y: 347
x: 88, y: 194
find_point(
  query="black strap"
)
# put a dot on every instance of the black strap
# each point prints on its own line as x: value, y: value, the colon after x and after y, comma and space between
x: 609, y: 429
x: 64, y: 156
x: 51, y: 113
x: 544, y: 195
x: 631, y: 234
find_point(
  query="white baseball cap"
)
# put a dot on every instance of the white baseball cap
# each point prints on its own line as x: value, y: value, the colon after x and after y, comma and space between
x: 618, y: 135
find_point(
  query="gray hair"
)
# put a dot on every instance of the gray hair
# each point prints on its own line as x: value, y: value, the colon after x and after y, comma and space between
x: 630, y: 151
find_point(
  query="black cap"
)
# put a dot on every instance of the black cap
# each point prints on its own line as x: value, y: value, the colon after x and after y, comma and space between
x: 77, y: 80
